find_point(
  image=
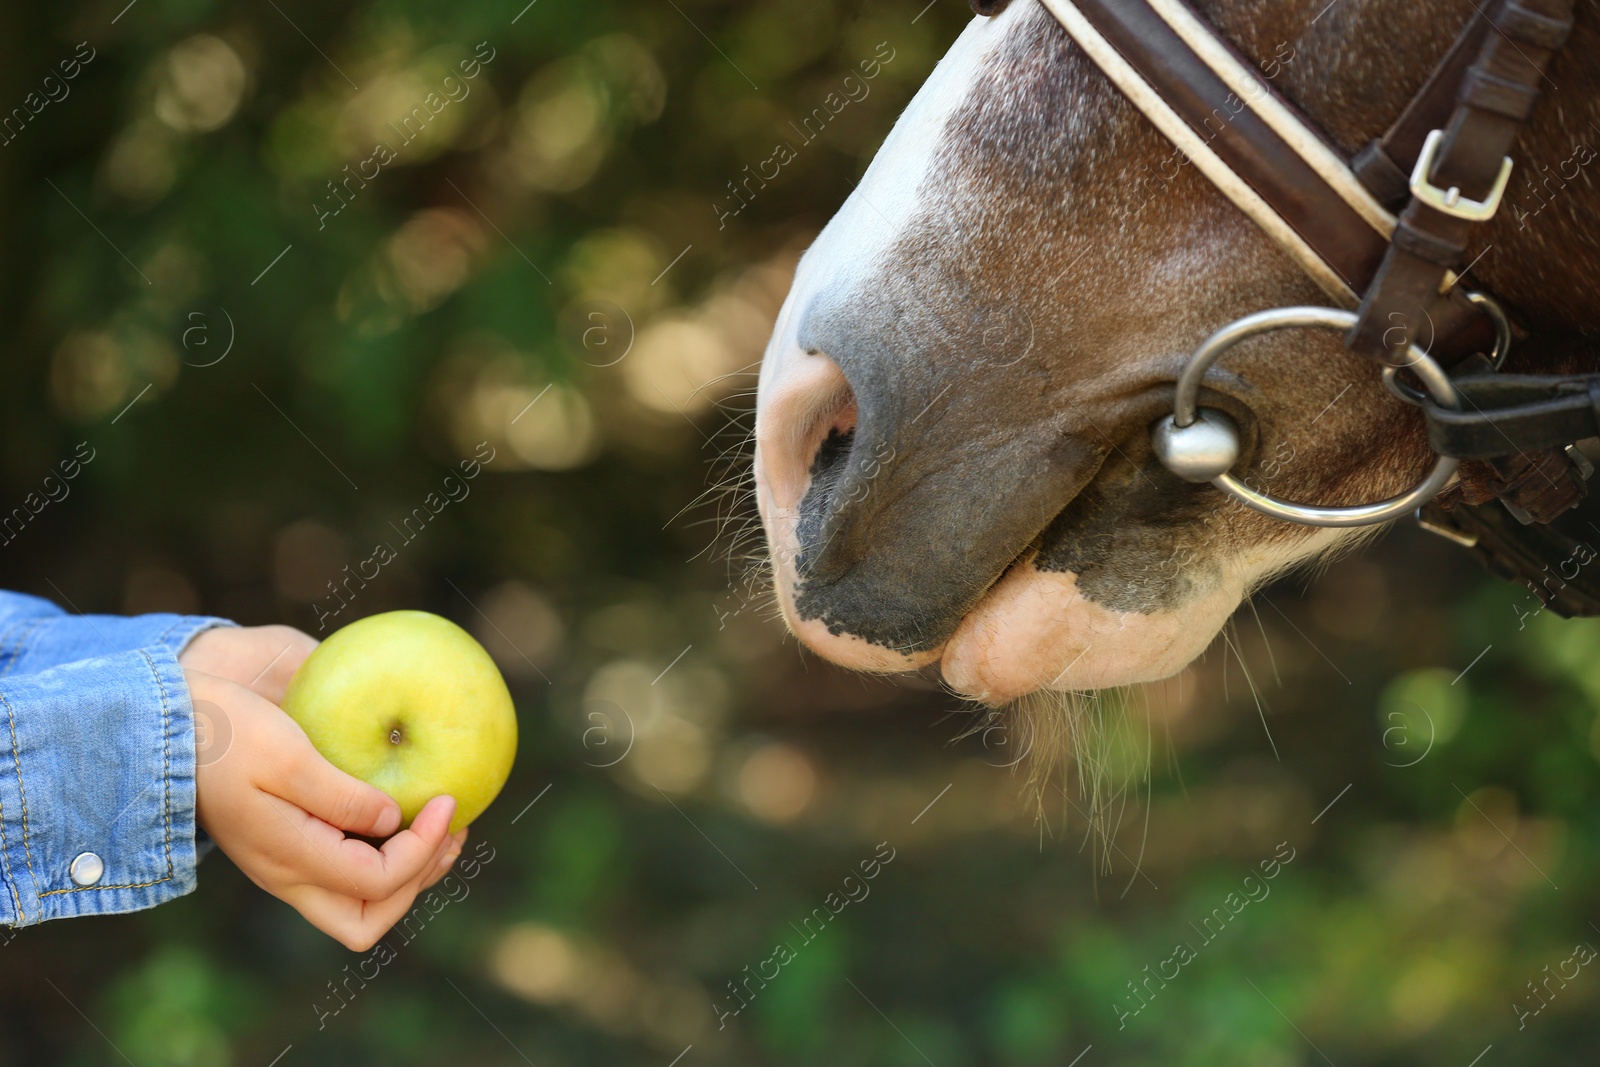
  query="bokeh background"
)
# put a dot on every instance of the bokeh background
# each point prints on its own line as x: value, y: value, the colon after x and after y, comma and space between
x: 550, y: 268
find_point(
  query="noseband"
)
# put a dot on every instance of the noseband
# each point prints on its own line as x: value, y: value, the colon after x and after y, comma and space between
x: 1384, y: 235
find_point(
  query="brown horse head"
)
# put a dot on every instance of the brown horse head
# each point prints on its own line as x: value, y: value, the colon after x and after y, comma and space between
x: 953, y: 434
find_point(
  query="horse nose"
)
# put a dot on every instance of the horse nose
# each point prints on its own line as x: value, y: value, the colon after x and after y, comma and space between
x: 809, y: 468
x: 891, y: 502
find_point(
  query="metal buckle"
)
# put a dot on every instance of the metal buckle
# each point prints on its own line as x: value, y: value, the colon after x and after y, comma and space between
x: 1580, y: 461
x: 1450, y: 201
x: 1201, y: 445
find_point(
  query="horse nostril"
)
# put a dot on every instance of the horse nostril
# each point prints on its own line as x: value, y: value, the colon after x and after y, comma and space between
x: 838, y: 431
x: 829, y: 442
x: 835, y: 448
x: 801, y: 411
x: 833, y: 411
x: 829, y: 466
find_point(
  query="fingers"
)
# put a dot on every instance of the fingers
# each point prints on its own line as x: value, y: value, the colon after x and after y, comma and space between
x: 413, y: 853
x: 377, y: 916
x: 338, y: 799
x: 295, y: 771
x: 359, y: 924
x: 456, y: 842
x: 321, y: 856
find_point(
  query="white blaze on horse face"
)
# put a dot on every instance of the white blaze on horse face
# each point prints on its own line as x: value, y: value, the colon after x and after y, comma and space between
x: 803, y: 397
x: 879, y: 212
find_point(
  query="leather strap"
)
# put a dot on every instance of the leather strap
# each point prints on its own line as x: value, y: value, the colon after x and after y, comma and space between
x: 1384, y: 166
x: 1556, y: 563
x: 1511, y: 414
x: 1411, y: 298
x: 1477, y: 96
x: 1243, y: 141
x: 1347, y: 247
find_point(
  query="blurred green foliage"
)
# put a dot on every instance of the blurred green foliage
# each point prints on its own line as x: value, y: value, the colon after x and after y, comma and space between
x: 544, y: 269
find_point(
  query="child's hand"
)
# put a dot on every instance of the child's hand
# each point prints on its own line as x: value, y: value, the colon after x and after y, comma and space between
x: 278, y: 808
x: 261, y: 657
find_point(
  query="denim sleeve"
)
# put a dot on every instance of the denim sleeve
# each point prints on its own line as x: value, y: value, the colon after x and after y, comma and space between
x: 97, y: 790
x: 35, y: 634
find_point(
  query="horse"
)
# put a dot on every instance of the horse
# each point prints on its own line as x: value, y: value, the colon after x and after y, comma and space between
x: 954, y: 462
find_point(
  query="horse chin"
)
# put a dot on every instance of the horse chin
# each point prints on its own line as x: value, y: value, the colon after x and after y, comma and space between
x: 1037, y: 631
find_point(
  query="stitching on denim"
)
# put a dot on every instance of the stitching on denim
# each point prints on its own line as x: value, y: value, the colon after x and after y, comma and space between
x: 168, y: 631
x: 198, y: 624
x: 16, y: 760
x: 99, y: 888
x: 166, y: 759
x: 5, y: 856
x: 166, y: 781
x: 5, y: 861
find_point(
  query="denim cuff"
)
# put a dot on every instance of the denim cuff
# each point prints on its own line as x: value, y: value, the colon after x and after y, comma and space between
x: 97, y: 792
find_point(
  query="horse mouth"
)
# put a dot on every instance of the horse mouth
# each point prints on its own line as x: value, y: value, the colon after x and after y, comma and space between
x: 899, y: 571
x: 1028, y: 630
x: 961, y: 641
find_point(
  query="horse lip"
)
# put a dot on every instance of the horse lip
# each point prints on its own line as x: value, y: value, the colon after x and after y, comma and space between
x: 1030, y: 550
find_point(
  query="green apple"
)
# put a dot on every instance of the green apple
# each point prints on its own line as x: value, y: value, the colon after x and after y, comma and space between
x: 410, y: 703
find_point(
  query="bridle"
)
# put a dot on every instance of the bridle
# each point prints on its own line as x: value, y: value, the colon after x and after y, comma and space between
x: 1384, y: 235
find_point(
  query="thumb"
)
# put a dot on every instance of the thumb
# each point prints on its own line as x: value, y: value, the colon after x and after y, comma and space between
x: 342, y: 800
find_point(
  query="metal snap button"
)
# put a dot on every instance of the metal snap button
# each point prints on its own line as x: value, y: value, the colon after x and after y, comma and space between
x: 86, y: 869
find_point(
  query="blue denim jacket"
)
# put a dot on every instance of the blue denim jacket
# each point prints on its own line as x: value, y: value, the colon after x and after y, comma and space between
x: 95, y: 713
